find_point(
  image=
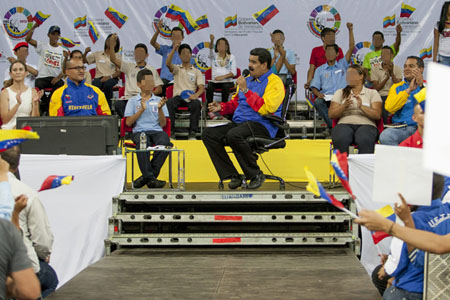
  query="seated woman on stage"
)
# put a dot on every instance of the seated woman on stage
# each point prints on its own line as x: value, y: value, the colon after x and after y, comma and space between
x: 17, y: 99
x: 223, y: 69
x: 356, y: 108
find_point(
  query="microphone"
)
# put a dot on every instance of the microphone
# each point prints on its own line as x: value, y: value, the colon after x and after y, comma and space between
x: 245, y: 73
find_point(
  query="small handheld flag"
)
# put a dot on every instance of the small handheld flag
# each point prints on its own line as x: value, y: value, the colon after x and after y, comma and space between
x: 389, y: 21
x: 54, y: 181
x: 184, y: 17
x: 202, y: 22
x: 116, y: 17
x: 265, y: 15
x: 12, y: 137
x: 40, y: 17
x: 68, y: 43
x: 336, y: 160
x: 231, y: 21
x: 93, y: 32
x: 426, y: 53
x: 388, y: 213
x: 317, y: 189
x: 406, y: 11
x: 79, y: 22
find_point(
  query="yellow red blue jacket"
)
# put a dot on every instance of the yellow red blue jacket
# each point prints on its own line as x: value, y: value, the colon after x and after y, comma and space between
x: 400, y: 103
x: 265, y: 96
x: 78, y: 100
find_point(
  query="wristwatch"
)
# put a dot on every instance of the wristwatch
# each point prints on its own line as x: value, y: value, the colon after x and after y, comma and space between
x: 245, y: 91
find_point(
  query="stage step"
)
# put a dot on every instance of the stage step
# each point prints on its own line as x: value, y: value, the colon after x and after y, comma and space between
x: 242, y: 217
x: 243, y: 196
x: 205, y: 239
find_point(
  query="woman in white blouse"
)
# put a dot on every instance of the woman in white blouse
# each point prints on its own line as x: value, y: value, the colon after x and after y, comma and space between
x: 17, y: 99
x: 223, y: 69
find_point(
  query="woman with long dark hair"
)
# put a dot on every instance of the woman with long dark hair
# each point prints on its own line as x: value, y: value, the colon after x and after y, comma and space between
x: 223, y: 69
x: 441, y: 48
x: 357, y: 109
x: 17, y: 99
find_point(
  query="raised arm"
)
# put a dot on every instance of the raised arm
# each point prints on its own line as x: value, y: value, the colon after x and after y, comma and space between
x: 351, y: 42
x: 170, y: 57
x: 112, y: 53
x: 29, y: 36
x: 153, y: 41
x: 398, y: 38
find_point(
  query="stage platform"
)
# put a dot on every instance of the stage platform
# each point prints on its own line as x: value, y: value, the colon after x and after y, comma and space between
x: 224, y: 273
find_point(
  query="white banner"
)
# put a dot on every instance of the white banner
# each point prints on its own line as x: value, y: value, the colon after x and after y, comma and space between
x: 301, y: 21
x: 78, y: 213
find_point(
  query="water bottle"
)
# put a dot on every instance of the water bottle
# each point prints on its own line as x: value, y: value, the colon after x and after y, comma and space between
x: 143, y: 140
x: 304, y: 132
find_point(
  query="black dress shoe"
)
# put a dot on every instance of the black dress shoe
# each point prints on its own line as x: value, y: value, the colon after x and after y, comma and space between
x: 156, y: 184
x: 140, y: 182
x: 256, y: 182
x: 236, y: 181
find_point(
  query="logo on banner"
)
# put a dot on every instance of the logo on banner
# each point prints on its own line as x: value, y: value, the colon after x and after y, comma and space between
x: 167, y: 24
x: 242, y: 26
x: 359, y: 52
x: 200, y: 53
x: 323, y: 16
x: 17, y: 22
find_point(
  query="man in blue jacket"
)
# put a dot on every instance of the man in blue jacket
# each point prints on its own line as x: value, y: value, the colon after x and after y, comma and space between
x: 259, y: 94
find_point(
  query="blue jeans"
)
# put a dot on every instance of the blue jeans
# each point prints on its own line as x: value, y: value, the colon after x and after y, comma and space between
x: 322, y: 107
x: 445, y: 60
x: 394, y: 136
x: 48, y: 279
x: 394, y: 293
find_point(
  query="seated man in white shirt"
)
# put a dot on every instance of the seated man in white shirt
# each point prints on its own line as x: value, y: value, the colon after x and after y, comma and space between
x: 37, y: 235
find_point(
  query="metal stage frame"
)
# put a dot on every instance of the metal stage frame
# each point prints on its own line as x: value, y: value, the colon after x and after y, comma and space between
x: 230, y: 218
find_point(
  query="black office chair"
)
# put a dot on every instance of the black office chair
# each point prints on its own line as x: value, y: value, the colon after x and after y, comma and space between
x: 264, y: 144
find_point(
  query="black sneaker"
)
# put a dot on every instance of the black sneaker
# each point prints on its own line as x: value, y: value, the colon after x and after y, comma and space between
x: 156, y: 184
x: 236, y: 181
x: 140, y: 182
x: 257, y: 181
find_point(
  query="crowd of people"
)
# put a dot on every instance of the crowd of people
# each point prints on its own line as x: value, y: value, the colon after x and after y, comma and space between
x: 360, y: 104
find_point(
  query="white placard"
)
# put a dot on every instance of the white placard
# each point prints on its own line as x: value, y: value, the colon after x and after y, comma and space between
x: 436, y: 143
x: 401, y: 170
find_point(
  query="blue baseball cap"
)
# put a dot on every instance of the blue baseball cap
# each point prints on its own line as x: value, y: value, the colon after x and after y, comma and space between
x: 54, y: 28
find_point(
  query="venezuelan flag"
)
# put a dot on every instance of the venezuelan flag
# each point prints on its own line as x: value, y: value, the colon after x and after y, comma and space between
x: 79, y: 22
x: 54, y: 181
x: 93, y: 32
x: 12, y: 137
x: 264, y: 16
x: 183, y: 16
x: 388, y: 213
x: 202, y: 22
x: 116, y: 17
x: 68, y: 42
x: 389, y: 21
x: 426, y: 53
x: 231, y: 21
x: 40, y: 17
x: 339, y: 163
x: 317, y: 189
x: 406, y: 11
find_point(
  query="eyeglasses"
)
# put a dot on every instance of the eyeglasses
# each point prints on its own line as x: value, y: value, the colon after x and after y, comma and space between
x: 79, y: 68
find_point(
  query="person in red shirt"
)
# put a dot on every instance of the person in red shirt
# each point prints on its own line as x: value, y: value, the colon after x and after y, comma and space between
x: 328, y: 37
x: 415, y: 140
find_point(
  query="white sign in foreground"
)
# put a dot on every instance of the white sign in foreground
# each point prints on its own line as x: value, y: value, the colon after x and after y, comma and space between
x: 401, y: 170
x: 436, y: 141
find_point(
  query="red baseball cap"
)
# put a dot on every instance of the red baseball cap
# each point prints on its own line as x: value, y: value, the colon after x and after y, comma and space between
x: 20, y: 45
